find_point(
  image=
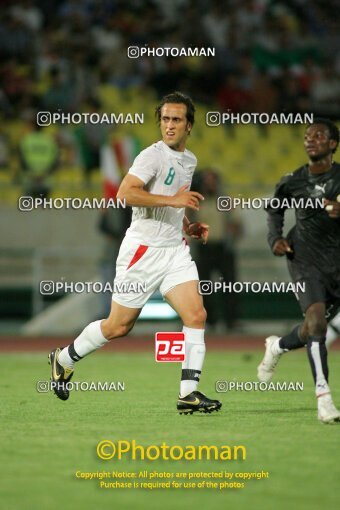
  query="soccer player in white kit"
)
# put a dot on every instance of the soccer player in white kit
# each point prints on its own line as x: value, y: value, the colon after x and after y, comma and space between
x: 154, y: 253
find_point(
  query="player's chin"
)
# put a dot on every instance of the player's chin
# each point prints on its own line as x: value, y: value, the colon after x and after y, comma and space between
x: 316, y: 156
x: 171, y: 143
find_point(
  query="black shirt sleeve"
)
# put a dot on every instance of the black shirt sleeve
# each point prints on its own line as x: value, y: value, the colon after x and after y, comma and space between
x: 276, y: 212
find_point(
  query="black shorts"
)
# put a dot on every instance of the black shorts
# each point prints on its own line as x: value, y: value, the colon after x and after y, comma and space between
x: 319, y: 287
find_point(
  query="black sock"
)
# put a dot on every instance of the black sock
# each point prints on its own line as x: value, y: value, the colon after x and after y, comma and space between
x: 292, y: 340
x: 317, y: 355
x: 72, y: 353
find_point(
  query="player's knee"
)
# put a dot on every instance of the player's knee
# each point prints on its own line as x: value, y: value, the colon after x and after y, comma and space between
x: 197, y: 318
x: 316, y: 325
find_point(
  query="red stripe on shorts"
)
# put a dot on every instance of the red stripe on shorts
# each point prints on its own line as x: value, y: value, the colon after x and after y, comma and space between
x: 138, y: 255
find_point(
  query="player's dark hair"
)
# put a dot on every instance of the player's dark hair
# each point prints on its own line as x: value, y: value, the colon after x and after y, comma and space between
x: 332, y: 128
x: 177, y: 98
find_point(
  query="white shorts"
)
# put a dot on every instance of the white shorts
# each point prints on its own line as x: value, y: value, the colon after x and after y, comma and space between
x: 141, y: 270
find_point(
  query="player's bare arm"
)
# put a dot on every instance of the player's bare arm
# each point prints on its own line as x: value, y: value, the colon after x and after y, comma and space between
x: 132, y: 190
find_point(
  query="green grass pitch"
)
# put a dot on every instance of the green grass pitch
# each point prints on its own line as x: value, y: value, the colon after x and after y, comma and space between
x: 45, y: 441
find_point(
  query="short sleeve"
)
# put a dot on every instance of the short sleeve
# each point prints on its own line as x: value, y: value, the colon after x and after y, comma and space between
x: 282, y: 192
x: 145, y: 166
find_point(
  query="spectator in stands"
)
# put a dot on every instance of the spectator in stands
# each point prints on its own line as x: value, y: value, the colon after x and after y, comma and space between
x: 264, y: 95
x: 90, y: 138
x: 325, y: 91
x: 39, y: 156
x: 216, y: 24
x: 60, y: 94
x: 291, y: 97
x: 231, y: 96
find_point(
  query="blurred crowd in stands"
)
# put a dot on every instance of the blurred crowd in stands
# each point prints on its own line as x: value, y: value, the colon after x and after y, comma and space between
x: 270, y: 55
x: 55, y: 55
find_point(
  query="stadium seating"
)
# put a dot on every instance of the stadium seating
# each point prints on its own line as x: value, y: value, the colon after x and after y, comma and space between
x: 249, y: 158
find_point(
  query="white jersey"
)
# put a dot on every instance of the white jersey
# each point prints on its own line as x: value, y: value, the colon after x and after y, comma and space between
x: 164, y: 171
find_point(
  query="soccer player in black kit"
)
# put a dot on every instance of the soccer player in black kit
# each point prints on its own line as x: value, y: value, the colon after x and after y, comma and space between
x: 312, y: 248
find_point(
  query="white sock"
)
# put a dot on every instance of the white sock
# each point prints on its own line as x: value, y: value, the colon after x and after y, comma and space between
x: 276, y: 347
x: 321, y: 385
x: 90, y: 339
x: 194, y: 358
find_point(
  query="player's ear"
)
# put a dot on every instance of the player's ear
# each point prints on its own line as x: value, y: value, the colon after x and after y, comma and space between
x: 189, y: 127
x: 333, y: 144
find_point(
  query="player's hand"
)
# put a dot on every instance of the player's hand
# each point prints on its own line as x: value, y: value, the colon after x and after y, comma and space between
x: 185, y: 198
x: 281, y: 247
x: 332, y: 207
x: 198, y: 230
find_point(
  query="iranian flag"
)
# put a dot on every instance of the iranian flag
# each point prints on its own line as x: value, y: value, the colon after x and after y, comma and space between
x: 110, y: 171
x: 115, y: 160
x: 126, y: 150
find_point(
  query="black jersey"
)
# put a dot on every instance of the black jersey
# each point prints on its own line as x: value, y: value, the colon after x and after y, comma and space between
x: 315, y: 235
